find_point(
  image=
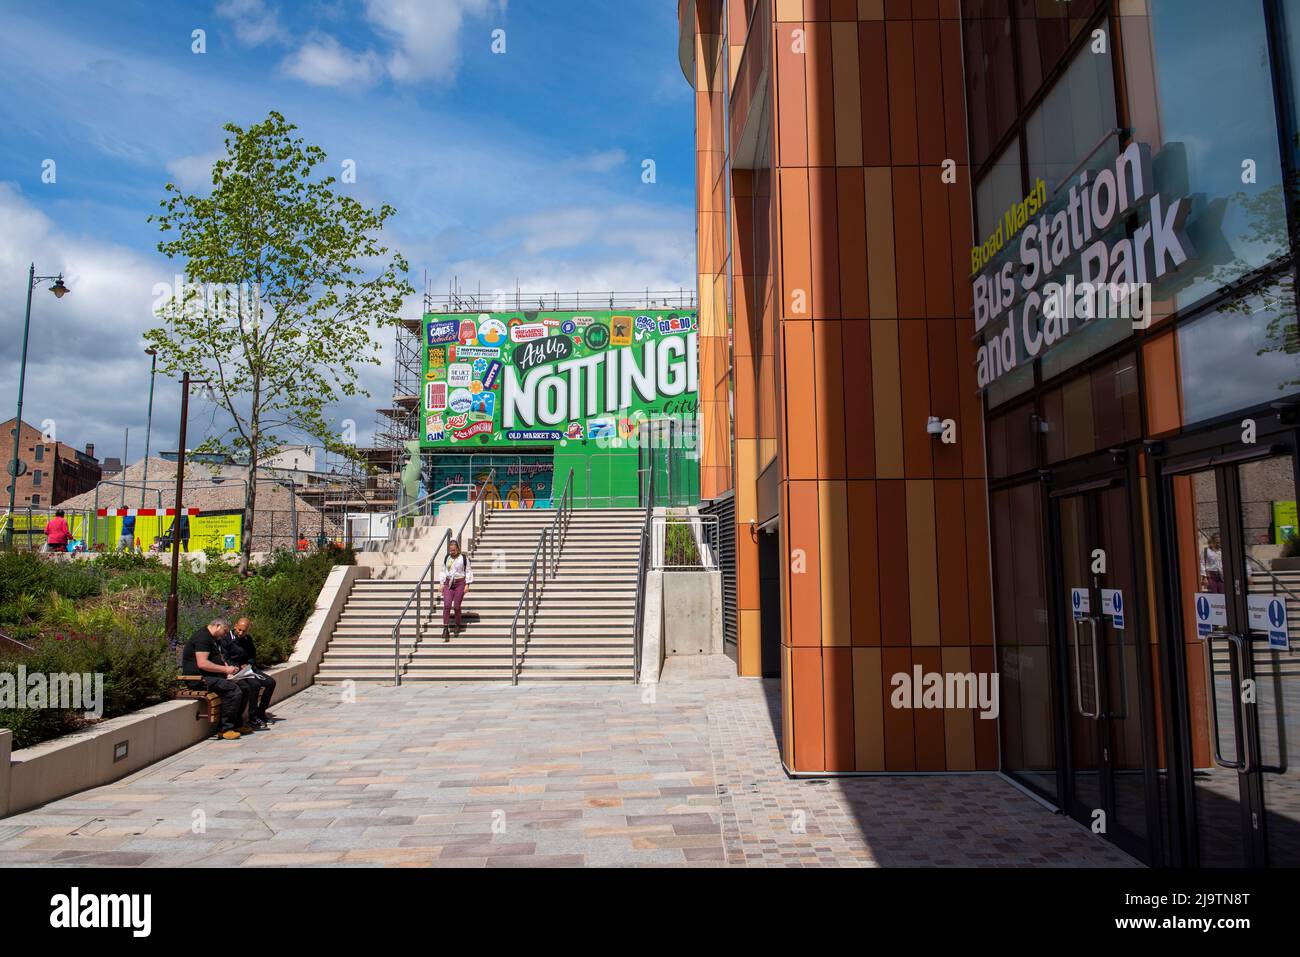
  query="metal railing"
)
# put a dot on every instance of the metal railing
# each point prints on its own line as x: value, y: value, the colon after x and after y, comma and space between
x: 547, y: 552
x: 479, y: 514
x: 684, y: 543
x: 427, y: 505
x: 502, y: 300
x: 643, y: 559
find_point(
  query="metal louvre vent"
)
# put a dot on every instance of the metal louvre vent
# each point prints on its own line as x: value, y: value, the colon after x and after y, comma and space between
x: 724, y: 506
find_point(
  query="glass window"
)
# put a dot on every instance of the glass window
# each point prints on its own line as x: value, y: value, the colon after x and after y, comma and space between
x: 1289, y: 71
x: 1096, y: 410
x: 36, y: 477
x: 40, y: 453
x: 1070, y: 133
x: 1072, y: 121
x: 1244, y: 354
x: 1023, y: 649
x: 1213, y: 111
x: 990, y: 75
x: 1045, y: 29
x: 998, y: 188
x: 1011, y: 444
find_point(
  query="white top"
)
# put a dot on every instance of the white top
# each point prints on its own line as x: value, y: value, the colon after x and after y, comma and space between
x: 456, y: 568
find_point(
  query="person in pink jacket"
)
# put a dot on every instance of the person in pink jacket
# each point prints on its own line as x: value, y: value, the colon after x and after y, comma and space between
x: 57, y: 534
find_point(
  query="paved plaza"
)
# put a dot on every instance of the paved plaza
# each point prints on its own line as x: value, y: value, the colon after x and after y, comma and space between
x: 538, y: 775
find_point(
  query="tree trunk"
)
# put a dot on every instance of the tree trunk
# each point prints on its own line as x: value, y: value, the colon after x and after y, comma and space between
x: 250, y: 508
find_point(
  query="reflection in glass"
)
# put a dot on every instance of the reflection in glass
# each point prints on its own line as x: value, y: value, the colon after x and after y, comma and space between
x: 990, y: 74
x: 1073, y: 119
x: 1244, y: 354
x: 1214, y: 107
x: 1212, y: 717
x: 1268, y: 504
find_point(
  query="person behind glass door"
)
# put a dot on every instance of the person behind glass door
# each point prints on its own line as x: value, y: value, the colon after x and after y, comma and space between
x: 457, y: 575
x: 1212, y: 564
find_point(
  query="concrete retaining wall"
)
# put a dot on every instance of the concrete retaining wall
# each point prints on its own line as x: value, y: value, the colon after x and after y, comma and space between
x: 692, y: 613
x: 120, y: 746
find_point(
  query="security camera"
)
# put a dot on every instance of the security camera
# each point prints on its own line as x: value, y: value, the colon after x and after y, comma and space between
x: 934, y: 425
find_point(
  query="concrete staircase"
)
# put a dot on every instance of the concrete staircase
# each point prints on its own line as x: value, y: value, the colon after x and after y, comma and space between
x: 405, y: 553
x: 584, y: 625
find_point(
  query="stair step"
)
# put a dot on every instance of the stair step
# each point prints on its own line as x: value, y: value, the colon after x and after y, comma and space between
x: 498, y: 625
x: 349, y: 647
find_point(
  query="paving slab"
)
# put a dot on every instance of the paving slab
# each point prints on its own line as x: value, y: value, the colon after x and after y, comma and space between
x: 540, y: 775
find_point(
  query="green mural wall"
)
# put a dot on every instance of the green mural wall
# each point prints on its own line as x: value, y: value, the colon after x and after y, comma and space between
x: 587, y: 387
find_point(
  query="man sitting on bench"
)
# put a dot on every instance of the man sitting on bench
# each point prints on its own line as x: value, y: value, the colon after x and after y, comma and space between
x: 202, y: 656
x: 239, y: 650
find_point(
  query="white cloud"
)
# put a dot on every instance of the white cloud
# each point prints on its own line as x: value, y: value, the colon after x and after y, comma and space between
x: 254, y: 21
x: 194, y: 172
x: 423, y: 40
x: 426, y: 35
x: 325, y: 62
x: 601, y: 162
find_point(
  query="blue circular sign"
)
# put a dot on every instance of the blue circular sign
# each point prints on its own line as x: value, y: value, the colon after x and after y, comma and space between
x: 1118, y: 602
x: 1203, y: 608
x: 1074, y: 597
x: 1276, y: 613
x: 568, y: 327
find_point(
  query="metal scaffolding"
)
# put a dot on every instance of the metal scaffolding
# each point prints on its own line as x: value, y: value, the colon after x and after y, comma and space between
x: 457, y: 299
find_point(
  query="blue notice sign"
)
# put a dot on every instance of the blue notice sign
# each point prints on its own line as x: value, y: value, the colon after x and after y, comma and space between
x: 1277, y: 631
x: 1211, y: 611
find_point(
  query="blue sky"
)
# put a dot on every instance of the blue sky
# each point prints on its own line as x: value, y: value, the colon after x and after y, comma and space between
x: 523, y: 165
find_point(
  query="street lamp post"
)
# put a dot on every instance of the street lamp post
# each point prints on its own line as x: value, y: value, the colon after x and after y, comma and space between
x: 173, y: 603
x: 59, y: 290
x: 153, y: 371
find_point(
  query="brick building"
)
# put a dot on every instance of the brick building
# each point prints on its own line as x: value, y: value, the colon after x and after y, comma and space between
x: 55, y: 470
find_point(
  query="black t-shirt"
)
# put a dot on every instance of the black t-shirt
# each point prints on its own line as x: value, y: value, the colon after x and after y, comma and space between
x: 238, y: 649
x: 201, y: 640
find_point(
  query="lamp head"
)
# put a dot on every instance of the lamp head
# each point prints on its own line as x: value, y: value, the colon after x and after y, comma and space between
x: 59, y: 289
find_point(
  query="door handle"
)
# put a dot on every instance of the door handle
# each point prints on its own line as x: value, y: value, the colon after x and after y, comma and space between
x: 1078, y: 670
x: 1212, y: 705
x: 1242, y: 643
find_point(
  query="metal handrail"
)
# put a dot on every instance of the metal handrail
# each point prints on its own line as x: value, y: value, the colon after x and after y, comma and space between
x: 427, y: 576
x: 419, y: 617
x: 478, y: 511
x: 529, y: 598
x: 548, y: 552
x: 560, y: 523
x: 424, y: 505
x: 642, y: 562
x: 1273, y: 575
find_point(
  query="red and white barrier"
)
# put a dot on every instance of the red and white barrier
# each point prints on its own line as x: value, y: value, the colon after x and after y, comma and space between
x: 142, y: 512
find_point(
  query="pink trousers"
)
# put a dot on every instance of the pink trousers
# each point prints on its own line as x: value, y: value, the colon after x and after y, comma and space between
x: 452, y: 595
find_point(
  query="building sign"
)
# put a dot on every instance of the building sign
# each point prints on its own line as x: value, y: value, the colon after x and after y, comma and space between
x: 1012, y: 221
x: 1284, y: 522
x: 549, y: 378
x: 1028, y: 301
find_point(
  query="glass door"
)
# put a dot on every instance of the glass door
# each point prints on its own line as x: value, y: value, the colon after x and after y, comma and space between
x: 1238, y: 561
x: 1109, y: 785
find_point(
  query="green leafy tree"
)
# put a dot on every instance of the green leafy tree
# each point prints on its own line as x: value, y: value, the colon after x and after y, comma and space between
x: 285, y: 281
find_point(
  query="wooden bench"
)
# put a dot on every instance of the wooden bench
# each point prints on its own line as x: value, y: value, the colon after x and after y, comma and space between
x: 213, y: 710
